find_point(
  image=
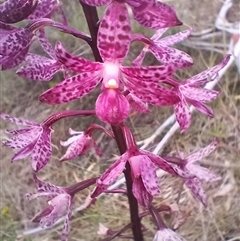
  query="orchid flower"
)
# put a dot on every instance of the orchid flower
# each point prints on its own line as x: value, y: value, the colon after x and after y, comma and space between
x: 34, y: 141
x: 150, y: 13
x: 59, y: 204
x: 81, y: 142
x: 143, y: 168
x: 189, y: 91
x: 200, y: 173
x: 114, y: 37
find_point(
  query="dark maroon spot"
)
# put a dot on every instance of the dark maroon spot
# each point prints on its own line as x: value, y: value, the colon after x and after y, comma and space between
x: 122, y: 18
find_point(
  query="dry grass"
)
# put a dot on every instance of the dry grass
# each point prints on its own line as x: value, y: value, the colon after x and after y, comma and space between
x: 219, y: 222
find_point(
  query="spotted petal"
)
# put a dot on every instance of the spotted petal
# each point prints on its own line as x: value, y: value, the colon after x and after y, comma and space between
x: 43, y: 9
x: 202, y: 153
x: 75, y: 63
x: 209, y: 74
x: 201, y: 95
x: 149, y: 176
x: 196, y: 187
x: 42, y: 151
x: 17, y: 121
x: 114, y: 35
x: 155, y: 15
x: 13, y: 11
x: 39, y: 68
x: 71, y: 88
x: 183, y: 114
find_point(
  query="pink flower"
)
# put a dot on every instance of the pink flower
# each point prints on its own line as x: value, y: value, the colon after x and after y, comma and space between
x: 167, y: 234
x: 143, y: 167
x: 114, y: 37
x: 150, y: 13
x: 34, y: 141
x: 200, y: 173
x: 59, y: 204
x: 188, y: 91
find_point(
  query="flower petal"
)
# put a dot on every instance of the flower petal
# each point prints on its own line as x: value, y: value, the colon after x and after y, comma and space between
x: 75, y: 63
x: 167, y: 235
x: 17, y: 121
x: 183, y: 114
x: 201, y: 107
x: 196, y: 187
x: 13, y: 11
x: 155, y: 15
x: 202, y: 153
x: 110, y: 175
x: 42, y: 151
x: 175, y: 38
x: 43, y: 9
x: 201, y: 95
x: 149, y: 176
x: 72, y: 88
x: 168, y: 55
x: 114, y: 35
x: 159, y: 162
x: 143, y: 197
x: 203, y: 173
x: 209, y: 74
x: 45, y: 44
x: 39, y: 68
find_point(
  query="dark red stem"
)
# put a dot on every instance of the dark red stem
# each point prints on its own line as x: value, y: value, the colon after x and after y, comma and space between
x: 93, y: 22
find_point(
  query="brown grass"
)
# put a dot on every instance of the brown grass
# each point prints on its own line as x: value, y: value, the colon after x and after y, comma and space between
x: 219, y: 222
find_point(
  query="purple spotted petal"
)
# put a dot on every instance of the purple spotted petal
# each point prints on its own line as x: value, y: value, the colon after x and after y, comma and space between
x: 158, y: 34
x: 43, y: 9
x: 149, y: 176
x: 168, y: 55
x: 96, y: 2
x: 183, y: 114
x: 13, y: 11
x: 45, y: 44
x: 24, y: 152
x: 151, y: 73
x: 13, y: 60
x: 47, y: 186
x: 203, y: 173
x: 201, y: 107
x: 114, y: 35
x: 202, y: 153
x: 17, y: 121
x: 196, y: 187
x: 75, y: 63
x: 110, y: 175
x: 175, y: 38
x: 39, y: 68
x: 42, y: 151
x: 5, y: 29
x: 14, y: 44
x: 201, y: 95
x: 155, y: 15
x: 71, y: 89
x: 166, y: 234
x: 143, y: 197
x: 207, y: 75
x: 139, y: 59
x: 66, y: 225
x: 159, y: 162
